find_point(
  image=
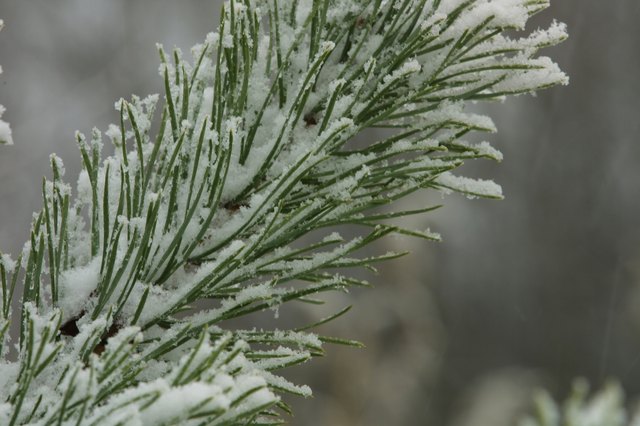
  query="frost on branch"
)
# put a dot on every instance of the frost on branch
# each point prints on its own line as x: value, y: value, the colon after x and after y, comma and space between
x: 253, y: 151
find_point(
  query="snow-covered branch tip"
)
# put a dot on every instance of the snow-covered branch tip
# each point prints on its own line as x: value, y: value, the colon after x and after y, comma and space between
x: 233, y: 203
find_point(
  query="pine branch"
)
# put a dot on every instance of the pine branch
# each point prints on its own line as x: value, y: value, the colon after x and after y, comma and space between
x: 254, y: 151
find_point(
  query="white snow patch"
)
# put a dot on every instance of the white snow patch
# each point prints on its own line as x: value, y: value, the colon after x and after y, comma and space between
x: 8, y: 263
x: 471, y: 187
x: 75, y: 287
x: 5, y: 133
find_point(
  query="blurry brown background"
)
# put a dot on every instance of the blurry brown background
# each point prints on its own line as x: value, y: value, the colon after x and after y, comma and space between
x: 531, y: 291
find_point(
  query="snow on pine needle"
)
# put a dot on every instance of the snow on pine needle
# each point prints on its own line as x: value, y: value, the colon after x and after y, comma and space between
x: 253, y: 151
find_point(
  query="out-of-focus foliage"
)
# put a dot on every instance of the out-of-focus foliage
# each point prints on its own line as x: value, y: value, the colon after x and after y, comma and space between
x: 604, y: 408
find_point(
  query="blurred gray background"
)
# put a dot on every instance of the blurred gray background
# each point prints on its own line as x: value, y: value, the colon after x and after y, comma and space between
x: 531, y: 291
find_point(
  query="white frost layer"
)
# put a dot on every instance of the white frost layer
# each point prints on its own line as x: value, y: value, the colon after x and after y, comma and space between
x: 504, y: 13
x: 176, y: 403
x: 471, y: 187
x: 8, y: 376
x: 5, y: 133
x: 7, y: 262
x: 76, y: 286
x: 5, y: 413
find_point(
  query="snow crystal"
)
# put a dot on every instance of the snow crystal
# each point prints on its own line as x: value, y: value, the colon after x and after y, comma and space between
x: 327, y: 46
x: 505, y: 13
x: 212, y: 38
x: 158, y: 300
x: 26, y: 249
x: 152, y: 197
x: 6, y: 410
x: 282, y: 383
x: 224, y: 381
x: 527, y: 81
x: 118, y: 105
x: 239, y: 8
x: 334, y: 84
x: 452, y: 112
x: 342, y: 9
x: 409, y: 67
x: 432, y: 235
x: 303, y: 10
x: 227, y: 41
x: 333, y: 237
x: 247, y: 383
x: 471, y: 187
x: 179, y: 402
x: 257, y: 292
x: 369, y: 65
x: 84, y: 186
x: 76, y: 286
x: 58, y: 163
x: 137, y: 223
x: 556, y: 33
x: 337, y: 125
x: 8, y: 263
x: 41, y: 328
x: 8, y: 375
x: 448, y: 6
x: 432, y: 22
x: 207, y: 100
x: 123, y: 336
x: 88, y: 329
x: 484, y: 148
x: 302, y: 339
x: 115, y: 134
x: 159, y: 403
x: 5, y: 133
x: 186, y: 125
